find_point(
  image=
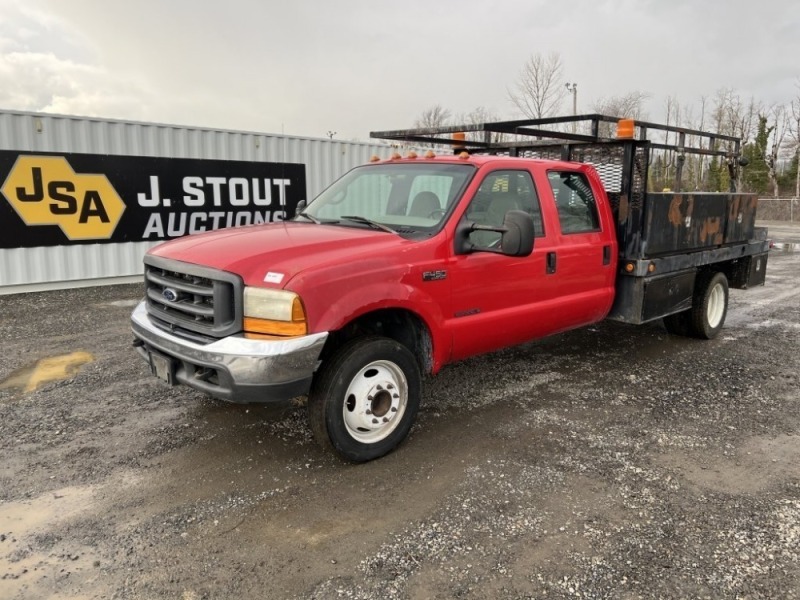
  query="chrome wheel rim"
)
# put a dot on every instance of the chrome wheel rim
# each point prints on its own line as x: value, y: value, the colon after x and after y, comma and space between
x: 375, y: 401
x: 716, y: 306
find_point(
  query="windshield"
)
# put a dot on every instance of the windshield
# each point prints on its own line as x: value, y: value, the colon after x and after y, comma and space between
x: 406, y: 197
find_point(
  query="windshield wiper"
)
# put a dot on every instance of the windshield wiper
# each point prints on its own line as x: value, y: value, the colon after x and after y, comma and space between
x: 314, y: 220
x: 365, y: 221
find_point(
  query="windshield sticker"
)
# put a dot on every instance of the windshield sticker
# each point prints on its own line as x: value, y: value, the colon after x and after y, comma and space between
x: 273, y: 277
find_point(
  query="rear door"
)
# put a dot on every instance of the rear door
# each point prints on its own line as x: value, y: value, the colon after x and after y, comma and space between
x: 585, y: 257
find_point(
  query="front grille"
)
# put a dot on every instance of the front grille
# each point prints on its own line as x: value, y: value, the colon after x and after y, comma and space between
x: 189, y: 299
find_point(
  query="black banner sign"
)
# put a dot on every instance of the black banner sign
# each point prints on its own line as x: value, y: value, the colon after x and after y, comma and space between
x: 55, y: 199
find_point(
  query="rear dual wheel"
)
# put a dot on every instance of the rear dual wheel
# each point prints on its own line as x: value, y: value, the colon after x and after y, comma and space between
x: 364, y: 398
x: 709, y: 309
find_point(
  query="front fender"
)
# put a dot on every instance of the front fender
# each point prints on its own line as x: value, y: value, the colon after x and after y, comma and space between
x: 364, y: 299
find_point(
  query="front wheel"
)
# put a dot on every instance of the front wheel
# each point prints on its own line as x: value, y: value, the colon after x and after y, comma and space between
x: 364, y: 398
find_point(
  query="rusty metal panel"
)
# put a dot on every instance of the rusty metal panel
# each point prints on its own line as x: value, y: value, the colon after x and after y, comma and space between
x: 64, y: 266
x: 684, y: 222
x: 741, y: 218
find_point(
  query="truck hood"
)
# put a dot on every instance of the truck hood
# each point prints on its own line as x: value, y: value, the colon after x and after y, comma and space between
x: 281, y: 250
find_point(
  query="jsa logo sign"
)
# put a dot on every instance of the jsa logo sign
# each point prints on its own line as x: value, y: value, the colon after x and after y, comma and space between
x: 44, y: 190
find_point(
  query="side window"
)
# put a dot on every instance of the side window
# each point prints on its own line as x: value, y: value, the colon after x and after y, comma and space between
x: 500, y: 192
x: 577, y: 209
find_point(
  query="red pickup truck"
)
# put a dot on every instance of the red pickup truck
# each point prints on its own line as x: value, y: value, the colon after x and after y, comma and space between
x: 407, y: 264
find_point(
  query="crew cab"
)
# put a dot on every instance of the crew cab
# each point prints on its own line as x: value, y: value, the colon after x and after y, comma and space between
x: 410, y: 263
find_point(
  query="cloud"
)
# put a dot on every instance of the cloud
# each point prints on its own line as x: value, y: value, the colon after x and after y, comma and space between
x: 355, y: 65
x: 48, y: 66
x: 39, y: 81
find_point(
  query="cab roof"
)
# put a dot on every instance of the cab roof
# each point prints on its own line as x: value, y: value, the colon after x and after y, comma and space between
x: 476, y: 160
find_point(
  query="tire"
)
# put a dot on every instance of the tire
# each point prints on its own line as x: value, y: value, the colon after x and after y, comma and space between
x: 364, y: 398
x: 709, y: 305
x: 679, y: 323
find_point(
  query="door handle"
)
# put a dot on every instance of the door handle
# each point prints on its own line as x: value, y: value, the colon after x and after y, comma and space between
x: 606, y: 255
x: 551, y: 262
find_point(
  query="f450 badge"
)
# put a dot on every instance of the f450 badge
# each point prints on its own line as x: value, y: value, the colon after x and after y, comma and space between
x: 44, y: 190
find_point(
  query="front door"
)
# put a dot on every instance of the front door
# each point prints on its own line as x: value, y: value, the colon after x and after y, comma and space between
x: 498, y: 300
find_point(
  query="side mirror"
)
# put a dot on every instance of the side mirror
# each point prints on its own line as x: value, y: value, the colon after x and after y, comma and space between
x: 516, y: 235
x: 299, y: 208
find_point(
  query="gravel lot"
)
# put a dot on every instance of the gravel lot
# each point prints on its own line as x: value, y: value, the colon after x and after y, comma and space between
x: 610, y: 462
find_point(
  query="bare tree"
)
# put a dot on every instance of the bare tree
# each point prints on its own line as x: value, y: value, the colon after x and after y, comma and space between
x: 701, y: 125
x: 630, y: 105
x: 539, y: 91
x: 434, y: 116
x: 795, y: 133
x: 476, y: 116
x: 479, y: 116
x: 733, y: 116
x: 780, y: 125
x: 671, y: 117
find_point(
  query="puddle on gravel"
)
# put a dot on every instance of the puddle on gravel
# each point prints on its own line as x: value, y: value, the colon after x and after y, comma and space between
x: 123, y: 303
x: 30, y: 571
x: 53, y: 368
x: 761, y: 463
x: 30, y: 516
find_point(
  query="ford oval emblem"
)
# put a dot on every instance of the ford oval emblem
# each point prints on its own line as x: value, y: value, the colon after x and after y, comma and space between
x: 169, y: 294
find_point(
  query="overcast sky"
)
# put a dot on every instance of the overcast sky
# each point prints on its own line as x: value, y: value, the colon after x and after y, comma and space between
x: 350, y: 66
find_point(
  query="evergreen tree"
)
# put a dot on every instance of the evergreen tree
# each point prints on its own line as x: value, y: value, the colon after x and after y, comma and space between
x: 715, y: 182
x: 756, y: 174
x: 787, y: 180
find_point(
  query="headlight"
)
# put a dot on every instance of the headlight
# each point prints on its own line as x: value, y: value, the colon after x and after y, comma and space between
x: 273, y: 313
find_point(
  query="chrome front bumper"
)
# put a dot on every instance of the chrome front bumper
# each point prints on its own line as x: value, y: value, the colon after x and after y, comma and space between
x: 233, y: 368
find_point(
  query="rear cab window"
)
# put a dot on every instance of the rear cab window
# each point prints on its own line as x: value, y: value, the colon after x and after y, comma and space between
x: 575, y: 202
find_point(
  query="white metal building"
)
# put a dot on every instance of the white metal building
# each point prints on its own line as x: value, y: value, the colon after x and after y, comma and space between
x: 53, y: 267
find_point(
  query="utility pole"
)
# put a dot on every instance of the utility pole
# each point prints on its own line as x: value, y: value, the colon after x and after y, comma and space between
x: 572, y: 88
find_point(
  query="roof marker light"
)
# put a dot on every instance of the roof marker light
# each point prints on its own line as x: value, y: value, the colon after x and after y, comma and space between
x: 459, y: 137
x: 625, y: 128
x: 374, y: 158
x: 430, y: 154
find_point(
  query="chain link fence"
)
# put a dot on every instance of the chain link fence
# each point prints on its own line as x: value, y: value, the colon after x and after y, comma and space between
x: 779, y: 209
